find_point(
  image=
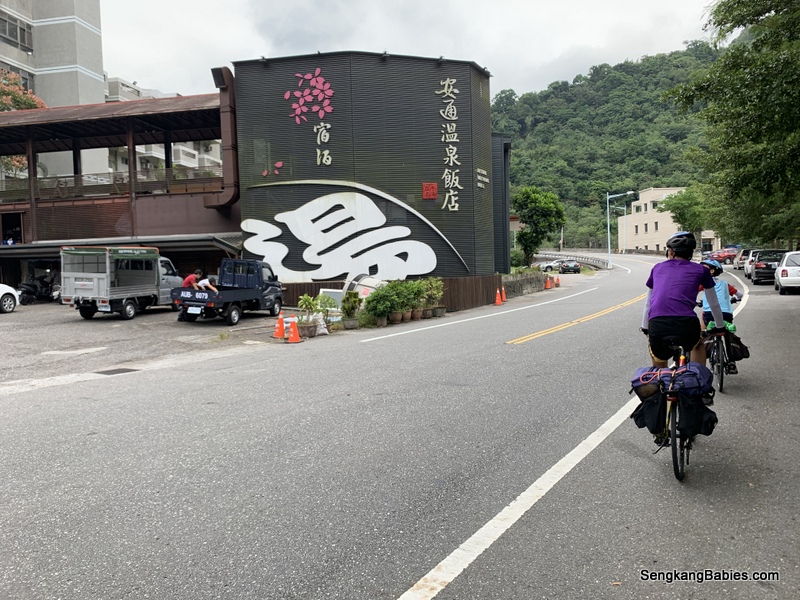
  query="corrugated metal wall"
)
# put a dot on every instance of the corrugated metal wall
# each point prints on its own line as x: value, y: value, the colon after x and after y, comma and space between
x: 501, y: 148
x: 386, y: 132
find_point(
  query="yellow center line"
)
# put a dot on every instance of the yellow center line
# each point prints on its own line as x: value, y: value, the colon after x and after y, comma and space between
x: 563, y: 326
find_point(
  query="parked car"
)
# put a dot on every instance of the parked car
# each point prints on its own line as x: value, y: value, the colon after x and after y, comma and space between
x: 724, y: 255
x: 8, y: 298
x: 739, y: 259
x: 570, y: 266
x: 787, y: 275
x: 765, y: 265
x: 749, y: 259
x: 553, y: 264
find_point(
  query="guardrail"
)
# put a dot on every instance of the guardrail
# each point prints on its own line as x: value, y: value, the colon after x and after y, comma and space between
x: 597, y: 261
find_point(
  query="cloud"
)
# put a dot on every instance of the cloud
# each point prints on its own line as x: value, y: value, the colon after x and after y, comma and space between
x: 526, y: 44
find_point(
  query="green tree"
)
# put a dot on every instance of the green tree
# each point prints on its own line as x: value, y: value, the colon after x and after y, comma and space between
x: 688, y: 209
x: 540, y: 213
x: 13, y: 96
x: 750, y: 102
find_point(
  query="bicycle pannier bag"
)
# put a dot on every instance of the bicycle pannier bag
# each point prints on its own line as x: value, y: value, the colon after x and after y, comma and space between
x: 695, y: 417
x: 738, y: 350
x: 693, y: 379
x: 652, y: 411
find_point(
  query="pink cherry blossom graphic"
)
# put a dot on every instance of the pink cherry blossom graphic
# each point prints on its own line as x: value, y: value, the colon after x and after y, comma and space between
x: 317, y: 90
x: 278, y: 165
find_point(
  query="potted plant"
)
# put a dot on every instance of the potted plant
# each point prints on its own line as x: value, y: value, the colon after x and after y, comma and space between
x: 325, y: 304
x: 379, y: 304
x: 395, y: 293
x: 351, y: 303
x: 416, y: 290
x: 405, y: 297
x: 305, y: 323
x: 433, y: 295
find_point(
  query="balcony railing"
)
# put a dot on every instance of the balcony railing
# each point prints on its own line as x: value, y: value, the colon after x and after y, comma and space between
x: 179, y: 180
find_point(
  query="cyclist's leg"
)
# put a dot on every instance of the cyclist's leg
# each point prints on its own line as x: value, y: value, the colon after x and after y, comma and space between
x: 660, y: 351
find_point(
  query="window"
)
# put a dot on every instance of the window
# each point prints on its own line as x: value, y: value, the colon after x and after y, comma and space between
x: 645, y: 227
x: 655, y: 204
x: 636, y: 229
x: 645, y: 208
x: 638, y: 208
x: 655, y: 228
x: 658, y: 247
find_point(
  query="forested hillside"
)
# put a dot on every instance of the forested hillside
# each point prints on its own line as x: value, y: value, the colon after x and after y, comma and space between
x: 608, y: 131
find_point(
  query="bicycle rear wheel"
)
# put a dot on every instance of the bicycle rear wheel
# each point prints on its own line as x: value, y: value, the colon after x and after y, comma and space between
x: 676, y: 441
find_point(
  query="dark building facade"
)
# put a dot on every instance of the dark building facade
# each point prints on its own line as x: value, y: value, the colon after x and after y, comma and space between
x: 355, y: 163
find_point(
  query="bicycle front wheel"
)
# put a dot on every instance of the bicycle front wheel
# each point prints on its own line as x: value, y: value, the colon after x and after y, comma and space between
x: 676, y: 441
x: 719, y: 362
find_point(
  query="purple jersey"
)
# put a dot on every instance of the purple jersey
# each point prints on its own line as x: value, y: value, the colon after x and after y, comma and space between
x: 675, y: 283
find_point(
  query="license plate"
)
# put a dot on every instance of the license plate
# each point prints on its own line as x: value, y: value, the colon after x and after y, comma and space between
x: 104, y: 308
x: 194, y: 310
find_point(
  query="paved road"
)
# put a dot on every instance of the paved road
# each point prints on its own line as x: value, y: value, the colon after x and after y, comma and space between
x: 350, y: 466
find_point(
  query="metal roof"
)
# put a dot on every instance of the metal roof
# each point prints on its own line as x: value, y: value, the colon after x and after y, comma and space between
x: 227, y: 241
x: 188, y: 118
x: 384, y: 55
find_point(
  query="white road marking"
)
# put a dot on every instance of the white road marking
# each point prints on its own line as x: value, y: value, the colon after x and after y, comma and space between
x: 494, y: 314
x: 76, y: 352
x: 171, y: 362
x: 452, y: 566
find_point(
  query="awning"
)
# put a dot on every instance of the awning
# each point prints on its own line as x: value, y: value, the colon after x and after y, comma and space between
x: 230, y: 242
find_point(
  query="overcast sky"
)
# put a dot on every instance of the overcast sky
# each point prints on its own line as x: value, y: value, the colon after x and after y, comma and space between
x: 171, y: 45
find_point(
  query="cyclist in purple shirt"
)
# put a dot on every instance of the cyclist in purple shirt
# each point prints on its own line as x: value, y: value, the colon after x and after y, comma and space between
x: 669, y: 309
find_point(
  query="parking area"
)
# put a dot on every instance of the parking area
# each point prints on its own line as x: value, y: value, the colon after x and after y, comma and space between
x: 48, y: 339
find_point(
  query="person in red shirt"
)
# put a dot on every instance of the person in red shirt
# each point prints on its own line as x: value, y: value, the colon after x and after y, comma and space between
x: 190, y: 281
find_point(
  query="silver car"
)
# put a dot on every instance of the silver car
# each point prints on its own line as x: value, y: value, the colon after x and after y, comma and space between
x: 787, y: 275
x: 749, y: 260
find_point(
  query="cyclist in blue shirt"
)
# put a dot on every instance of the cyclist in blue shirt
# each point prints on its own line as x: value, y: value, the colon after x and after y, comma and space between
x: 669, y: 309
x: 724, y: 292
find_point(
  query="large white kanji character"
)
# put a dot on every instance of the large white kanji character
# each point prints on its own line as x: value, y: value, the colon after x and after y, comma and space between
x: 328, y: 224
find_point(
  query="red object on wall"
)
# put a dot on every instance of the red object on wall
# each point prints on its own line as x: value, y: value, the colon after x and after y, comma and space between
x: 430, y: 191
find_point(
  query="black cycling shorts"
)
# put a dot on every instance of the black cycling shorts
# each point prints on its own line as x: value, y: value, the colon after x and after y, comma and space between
x: 677, y: 330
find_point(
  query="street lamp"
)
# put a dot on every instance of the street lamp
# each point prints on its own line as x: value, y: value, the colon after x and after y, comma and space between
x: 608, y: 220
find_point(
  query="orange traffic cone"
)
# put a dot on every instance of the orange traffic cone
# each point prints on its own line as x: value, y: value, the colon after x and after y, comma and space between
x: 497, y: 300
x: 558, y: 281
x: 503, y: 294
x: 547, y: 283
x: 280, y: 332
x: 294, y: 334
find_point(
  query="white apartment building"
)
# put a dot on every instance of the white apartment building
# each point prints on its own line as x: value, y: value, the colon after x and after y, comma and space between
x: 56, y: 46
x: 643, y: 227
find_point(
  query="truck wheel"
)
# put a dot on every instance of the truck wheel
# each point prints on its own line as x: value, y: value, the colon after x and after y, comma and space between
x: 234, y: 314
x: 276, y: 308
x: 87, y: 312
x: 128, y: 310
x: 175, y: 307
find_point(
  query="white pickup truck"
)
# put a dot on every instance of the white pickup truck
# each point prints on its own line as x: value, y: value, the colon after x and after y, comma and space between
x: 116, y: 279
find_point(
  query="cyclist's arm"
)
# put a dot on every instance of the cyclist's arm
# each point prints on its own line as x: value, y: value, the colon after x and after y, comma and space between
x: 646, y: 311
x: 713, y: 303
x: 734, y: 292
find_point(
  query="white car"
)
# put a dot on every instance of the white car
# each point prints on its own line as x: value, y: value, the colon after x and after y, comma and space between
x: 8, y: 298
x: 749, y: 259
x: 787, y: 274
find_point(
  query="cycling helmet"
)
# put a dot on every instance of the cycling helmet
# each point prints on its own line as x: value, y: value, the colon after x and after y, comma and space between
x: 713, y: 265
x: 682, y: 241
